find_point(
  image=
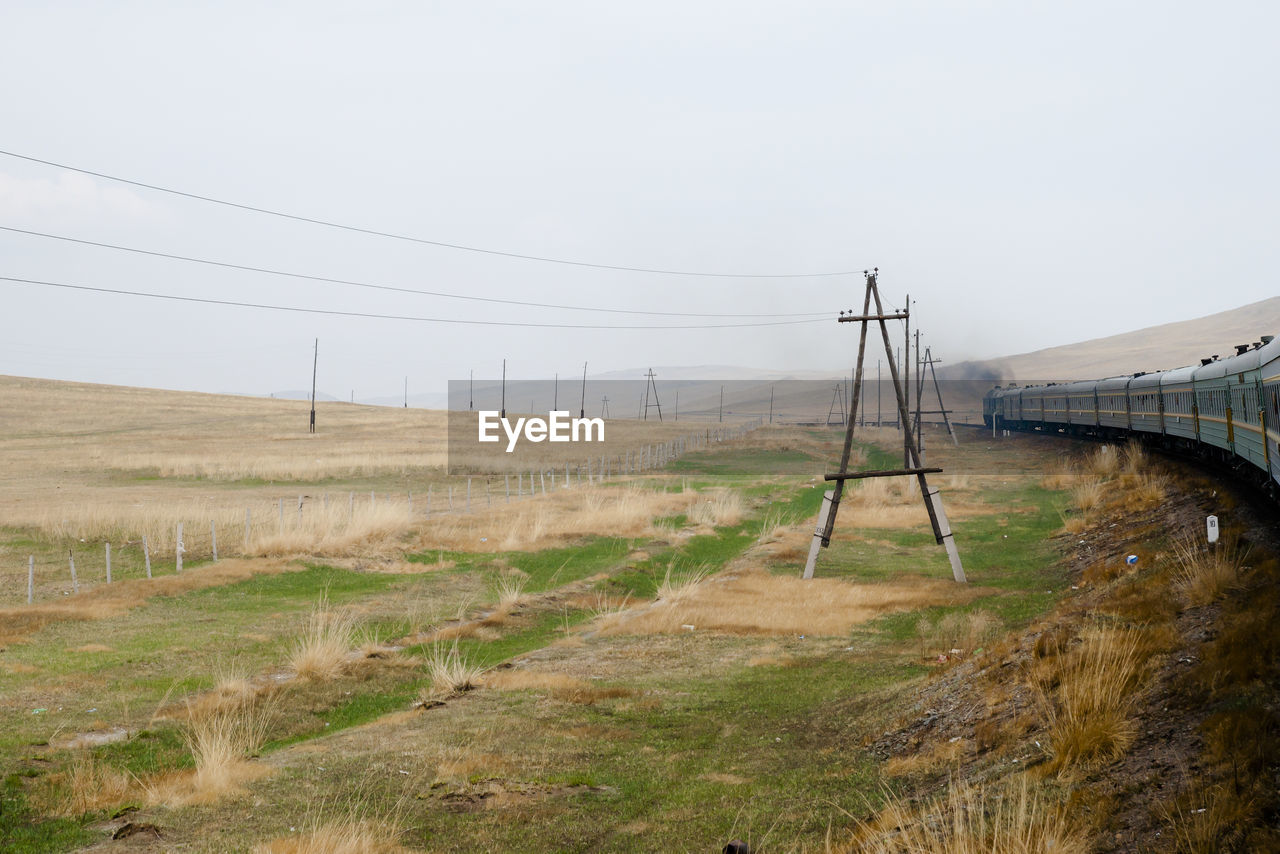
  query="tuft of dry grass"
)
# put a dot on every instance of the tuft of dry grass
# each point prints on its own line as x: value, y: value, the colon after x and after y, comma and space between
x: 1104, y: 462
x: 1203, y: 572
x: 1090, y: 712
x: 88, y: 785
x: 957, y: 633
x: 510, y: 589
x: 716, y: 508
x: 1088, y: 494
x: 1010, y: 819
x: 342, y: 836
x: 451, y: 673
x: 221, y: 741
x: 754, y: 602
x: 561, y: 686
x: 678, y: 585
x: 327, y: 637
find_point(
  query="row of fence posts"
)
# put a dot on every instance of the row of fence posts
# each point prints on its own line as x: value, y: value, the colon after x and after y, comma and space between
x: 648, y: 458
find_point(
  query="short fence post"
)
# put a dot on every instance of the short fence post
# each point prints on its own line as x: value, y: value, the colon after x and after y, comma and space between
x: 213, y: 537
x: 410, y: 502
x: 468, y: 495
x: 299, y: 511
x: 451, y: 496
x: 351, y: 506
x: 542, y: 478
x: 31, y: 577
x: 429, y: 488
x: 488, y: 499
x: 179, y: 549
x: 519, y: 483
x: 146, y: 555
x: 506, y: 479
x: 247, y: 528
x: 108, y: 563
x: 75, y: 583
x: 281, y: 515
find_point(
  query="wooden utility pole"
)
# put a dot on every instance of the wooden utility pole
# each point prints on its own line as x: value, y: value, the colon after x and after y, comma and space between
x: 932, y: 501
x: 503, y: 412
x: 770, y: 404
x: 582, y: 404
x: 315, y: 362
x: 650, y: 384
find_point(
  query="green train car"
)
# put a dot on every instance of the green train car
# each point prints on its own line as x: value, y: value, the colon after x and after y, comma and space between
x: 1227, y: 410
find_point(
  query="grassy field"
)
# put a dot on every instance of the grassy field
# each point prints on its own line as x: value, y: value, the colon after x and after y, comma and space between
x: 632, y: 664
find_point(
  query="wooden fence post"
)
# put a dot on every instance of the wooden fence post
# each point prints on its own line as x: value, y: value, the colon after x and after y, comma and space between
x: 146, y: 555
x: 213, y: 537
x: 31, y: 577
x: 75, y: 583
x: 108, y: 563
x: 179, y: 549
x: 468, y: 495
x: 282, y: 516
x: 506, y: 479
x: 247, y: 527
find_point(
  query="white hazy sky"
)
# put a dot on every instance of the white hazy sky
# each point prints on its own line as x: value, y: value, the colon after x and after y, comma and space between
x: 1032, y: 173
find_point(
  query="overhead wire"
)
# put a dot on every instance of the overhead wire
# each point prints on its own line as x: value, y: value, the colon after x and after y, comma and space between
x: 422, y: 240
x: 417, y: 291
x: 378, y: 316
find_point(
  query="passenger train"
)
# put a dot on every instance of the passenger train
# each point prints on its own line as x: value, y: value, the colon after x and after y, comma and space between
x: 1226, y: 410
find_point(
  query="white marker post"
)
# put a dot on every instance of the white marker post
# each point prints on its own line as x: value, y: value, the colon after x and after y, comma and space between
x: 1211, y: 526
x: 31, y: 577
x: 817, y: 533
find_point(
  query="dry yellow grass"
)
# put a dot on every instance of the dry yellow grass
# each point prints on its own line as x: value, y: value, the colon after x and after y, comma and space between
x: 561, y: 686
x: 1202, y: 572
x: 751, y: 601
x: 1010, y: 819
x: 1090, y: 713
x: 344, y: 836
x: 450, y: 672
x: 86, y: 786
x: 716, y: 508
x: 554, y: 519
x: 222, y: 742
x: 327, y: 638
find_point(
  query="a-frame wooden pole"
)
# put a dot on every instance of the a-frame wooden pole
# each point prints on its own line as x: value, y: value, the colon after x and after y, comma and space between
x: 933, y: 502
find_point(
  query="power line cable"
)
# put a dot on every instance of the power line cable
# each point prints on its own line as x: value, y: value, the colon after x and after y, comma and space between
x: 411, y: 239
x: 356, y: 284
x: 376, y: 316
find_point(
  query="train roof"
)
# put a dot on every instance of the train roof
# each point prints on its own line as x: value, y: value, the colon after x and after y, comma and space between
x: 1250, y: 360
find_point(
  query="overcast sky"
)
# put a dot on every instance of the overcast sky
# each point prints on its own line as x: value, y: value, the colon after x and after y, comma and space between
x: 1033, y: 174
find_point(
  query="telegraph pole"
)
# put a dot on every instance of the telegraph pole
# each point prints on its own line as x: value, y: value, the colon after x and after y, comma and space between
x: 406, y: 392
x: 503, y: 413
x: 555, y: 400
x: 315, y: 361
x: 770, y: 404
x: 471, y: 391
x: 604, y: 406
x: 582, y: 405
x: 721, y: 419
x: 651, y: 385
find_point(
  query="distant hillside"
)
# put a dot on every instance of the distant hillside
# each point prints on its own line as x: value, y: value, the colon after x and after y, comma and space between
x: 1170, y: 345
